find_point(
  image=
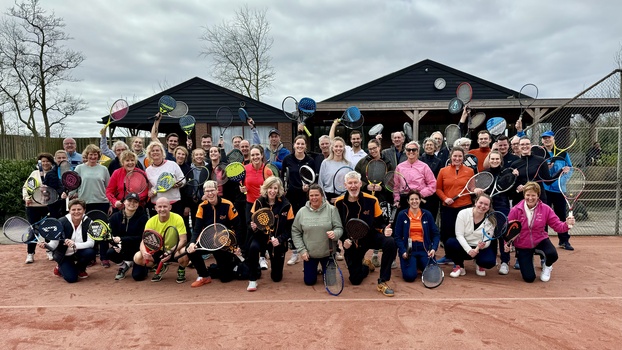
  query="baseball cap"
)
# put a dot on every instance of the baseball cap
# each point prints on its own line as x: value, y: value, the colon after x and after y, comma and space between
x: 548, y: 134
x: 274, y: 131
x: 133, y: 196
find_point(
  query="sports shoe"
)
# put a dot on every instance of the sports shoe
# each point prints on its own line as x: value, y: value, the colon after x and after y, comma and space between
x: 545, y: 276
x: 158, y: 276
x: 122, y: 271
x: 369, y: 264
x: 375, y: 260
x: 30, y: 258
x: 263, y: 263
x: 56, y: 271
x: 252, y: 286
x: 338, y: 256
x: 83, y: 274
x: 516, y: 265
x: 457, y: 271
x: 542, y: 263
x: 566, y: 245
x: 294, y: 259
x: 50, y: 255
x: 444, y: 261
x: 384, y: 288
x: 181, y: 275
x: 201, y: 281
x: 106, y: 263
x: 394, y: 264
x: 92, y: 263
x: 504, y: 269
x: 480, y: 271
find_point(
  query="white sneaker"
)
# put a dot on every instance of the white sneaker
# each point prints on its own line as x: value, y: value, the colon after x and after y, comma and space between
x: 504, y: 269
x: 252, y: 286
x: 338, y: 256
x: 457, y: 271
x: 480, y: 271
x: 545, y: 276
x: 394, y: 264
x: 263, y: 263
x: 294, y: 259
x: 50, y: 255
x: 30, y: 258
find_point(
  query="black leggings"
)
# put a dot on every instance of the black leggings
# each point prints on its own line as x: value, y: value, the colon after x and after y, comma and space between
x: 525, y: 258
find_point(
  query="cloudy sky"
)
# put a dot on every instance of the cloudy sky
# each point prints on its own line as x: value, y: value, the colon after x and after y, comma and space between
x: 324, y: 47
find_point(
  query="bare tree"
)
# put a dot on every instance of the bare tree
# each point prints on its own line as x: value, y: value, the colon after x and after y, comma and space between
x: 34, y: 64
x: 240, y: 52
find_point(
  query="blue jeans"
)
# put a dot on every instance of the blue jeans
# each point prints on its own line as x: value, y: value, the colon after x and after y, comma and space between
x: 71, y: 266
x: 418, y: 260
x: 310, y: 269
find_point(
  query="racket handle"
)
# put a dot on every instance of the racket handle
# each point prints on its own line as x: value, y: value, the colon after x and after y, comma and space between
x: 307, y: 130
x: 570, y: 216
x: 159, y: 269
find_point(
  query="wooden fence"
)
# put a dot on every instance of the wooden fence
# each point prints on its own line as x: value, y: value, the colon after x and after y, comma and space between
x: 26, y: 147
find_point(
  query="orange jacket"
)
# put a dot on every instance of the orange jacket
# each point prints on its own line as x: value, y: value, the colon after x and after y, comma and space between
x: 450, y: 183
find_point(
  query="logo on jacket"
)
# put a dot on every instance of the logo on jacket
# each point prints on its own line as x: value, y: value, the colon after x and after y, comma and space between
x: 366, y: 212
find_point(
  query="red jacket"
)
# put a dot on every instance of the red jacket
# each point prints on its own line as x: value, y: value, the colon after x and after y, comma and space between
x: 116, y: 188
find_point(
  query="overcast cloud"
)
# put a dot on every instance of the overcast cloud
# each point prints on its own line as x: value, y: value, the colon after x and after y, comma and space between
x: 322, y: 48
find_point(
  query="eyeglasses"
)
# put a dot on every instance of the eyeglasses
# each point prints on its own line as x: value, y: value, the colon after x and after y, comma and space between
x: 412, y: 149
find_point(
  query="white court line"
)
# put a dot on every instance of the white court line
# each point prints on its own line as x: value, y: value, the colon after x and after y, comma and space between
x: 299, y: 301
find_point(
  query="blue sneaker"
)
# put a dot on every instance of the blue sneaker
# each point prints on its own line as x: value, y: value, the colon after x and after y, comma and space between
x: 444, y: 261
x: 516, y: 265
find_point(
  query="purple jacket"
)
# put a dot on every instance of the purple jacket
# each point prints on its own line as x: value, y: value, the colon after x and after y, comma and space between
x: 543, y: 215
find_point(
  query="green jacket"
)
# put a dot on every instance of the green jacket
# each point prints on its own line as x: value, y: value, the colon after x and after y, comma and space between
x: 310, y: 227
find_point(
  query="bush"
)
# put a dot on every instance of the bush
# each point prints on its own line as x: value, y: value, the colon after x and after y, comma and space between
x: 13, y: 175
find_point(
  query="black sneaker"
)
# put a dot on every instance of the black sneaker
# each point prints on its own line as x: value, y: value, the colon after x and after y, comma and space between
x: 181, y: 275
x: 566, y: 245
x: 122, y: 271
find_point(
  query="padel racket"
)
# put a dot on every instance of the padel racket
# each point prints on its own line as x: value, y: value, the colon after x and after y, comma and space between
x: 375, y: 171
x: 165, y: 105
x: 333, y: 277
x: 356, y: 229
x: 476, y: 120
x: 307, y: 175
x: 452, y: 134
x: 235, y: 156
x: 264, y: 219
x: 18, y: 230
x: 63, y: 167
x: 118, y: 111
x: 242, y: 114
x: 236, y: 172
x: 496, y: 126
x: 224, y: 116
x: 99, y: 228
x: 45, y: 195
x: 352, y: 118
x: 499, y: 222
x: 165, y: 182
x: 432, y: 276
x: 408, y: 131
x: 270, y: 170
x: 481, y: 180
x: 464, y: 92
x: 153, y: 242
x: 135, y: 182
x: 514, y: 229
x: 526, y: 97
x: 396, y: 182
x: 455, y: 106
x: 571, y: 185
x: 503, y: 182
x: 306, y: 109
x: 339, y: 179
x: 31, y: 185
x: 376, y: 130
x: 187, y: 124
x: 170, y: 240
x: 180, y: 110
x: 565, y: 138
x: 219, y: 174
x: 71, y: 180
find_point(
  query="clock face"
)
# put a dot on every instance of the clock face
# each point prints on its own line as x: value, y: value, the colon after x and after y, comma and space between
x: 439, y: 84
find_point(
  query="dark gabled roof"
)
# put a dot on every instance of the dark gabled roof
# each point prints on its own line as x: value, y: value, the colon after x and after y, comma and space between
x: 203, y: 99
x: 416, y: 83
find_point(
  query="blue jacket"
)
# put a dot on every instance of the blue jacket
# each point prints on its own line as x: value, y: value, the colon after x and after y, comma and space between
x: 401, y: 233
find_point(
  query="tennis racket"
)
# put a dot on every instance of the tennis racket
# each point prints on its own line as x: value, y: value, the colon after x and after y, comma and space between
x: 99, y: 228
x: 432, y: 276
x: 526, y: 97
x: 503, y: 182
x: 270, y: 170
x: 224, y: 116
x: 213, y: 237
x: 19, y: 230
x: 243, y: 115
x: 408, y: 131
x: 571, y: 185
x: 476, y: 120
x: 45, y: 195
x: 235, y: 156
x: 376, y: 130
x: 264, y: 219
x: 180, y: 110
x: 165, y: 182
x: 356, y: 229
x: 333, y: 277
x: 500, y: 224
x: 455, y: 106
x: 339, y: 179
x: 187, y: 124
x: 565, y: 138
x: 481, y: 180
x: 170, y: 241
x: 306, y: 109
x: 514, y: 229
x: 118, y: 111
x: 396, y: 182
x: 135, y: 182
x: 452, y: 134
x: 375, y: 171
x: 464, y: 92
x: 539, y: 151
x: 307, y: 175
x: 496, y: 126
x: 352, y: 118
x: 290, y: 108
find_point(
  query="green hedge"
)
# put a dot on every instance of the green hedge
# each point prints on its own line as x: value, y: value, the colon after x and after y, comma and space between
x: 13, y: 174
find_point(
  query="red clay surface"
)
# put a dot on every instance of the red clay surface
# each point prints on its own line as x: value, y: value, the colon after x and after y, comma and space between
x: 580, y: 308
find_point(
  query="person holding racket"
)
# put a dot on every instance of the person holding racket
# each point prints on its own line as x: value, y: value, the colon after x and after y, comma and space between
x: 375, y: 154
x: 530, y: 168
x: 126, y: 226
x: 451, y: 180
x: 330, y: 166
x: 417, y: 174
x: 554, y: 198
x: 157, y: 166
x: 114, y: 153
x: 468, y: 243
x: 353, y: 153
x: 296, y: 192
x: 416, y: 236
x: 315, y: 225
x: 275, y: 241
x: 117, y: 187
x: 44, y: 175
x: 355, y: 204
x: 442, y: 150
x: 534, y: 216
x: 76, y: 251
x: 256, y: 173
x: 213, y: 209
x: 164, y: 218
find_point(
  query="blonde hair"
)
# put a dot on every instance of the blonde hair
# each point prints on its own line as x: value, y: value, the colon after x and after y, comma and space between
x: 269, y: 182
x: 92, y: 149
x: 127, y: 154
x: 150, y: 148
x: 532, y: 186
x: 332, y: 154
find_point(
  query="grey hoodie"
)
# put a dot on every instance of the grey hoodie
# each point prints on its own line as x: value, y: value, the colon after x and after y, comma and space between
x: 310, y: 227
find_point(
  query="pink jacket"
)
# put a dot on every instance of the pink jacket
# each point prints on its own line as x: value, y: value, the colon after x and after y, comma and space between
x: 419, y: 176
x: 529, y: 237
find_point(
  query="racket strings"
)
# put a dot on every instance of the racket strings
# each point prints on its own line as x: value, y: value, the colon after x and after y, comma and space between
x: 307, y: 174
x: 376, y: 171
x: 432, y: 276
x: 152, y: 241
x: 15, y: 228
x: 135, y: 182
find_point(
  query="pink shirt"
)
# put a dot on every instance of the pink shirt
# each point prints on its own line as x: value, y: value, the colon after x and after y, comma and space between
x: 419, y: 176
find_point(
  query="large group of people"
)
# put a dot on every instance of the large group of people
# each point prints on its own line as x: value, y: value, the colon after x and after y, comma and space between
x: 410, y: 225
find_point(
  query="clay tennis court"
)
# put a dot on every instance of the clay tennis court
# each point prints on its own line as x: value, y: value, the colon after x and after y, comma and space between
x: 581, y: 307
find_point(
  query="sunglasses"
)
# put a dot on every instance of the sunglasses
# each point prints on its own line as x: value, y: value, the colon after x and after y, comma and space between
x: 412, y: 150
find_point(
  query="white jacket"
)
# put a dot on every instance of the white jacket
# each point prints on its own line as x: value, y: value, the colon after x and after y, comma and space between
x: 465, y: 234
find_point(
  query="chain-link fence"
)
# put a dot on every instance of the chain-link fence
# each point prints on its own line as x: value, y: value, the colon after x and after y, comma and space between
x: 593, y: 116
